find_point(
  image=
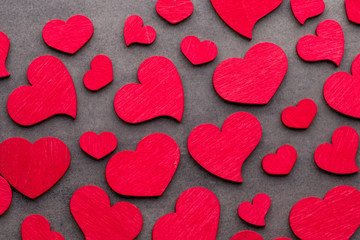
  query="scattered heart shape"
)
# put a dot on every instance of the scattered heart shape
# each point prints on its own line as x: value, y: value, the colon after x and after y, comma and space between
x: 198, y: 52
x: 304, y: 9
x: 135, y: 32
x: 100, y: 75
x: 353, y: 10
x: 98, y: 146
x: 280, y: 163
x: 4, y: 50
x: 250, y: 235
x: 301, y: 116
x: 174, y: 11
x: 38, y: 227
x: 5, y: 196
x: 255, y: 212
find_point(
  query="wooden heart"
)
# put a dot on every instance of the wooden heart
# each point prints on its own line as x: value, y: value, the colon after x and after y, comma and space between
x: 174, y: 11
x: 5, y: 196
x: 100, y: 75
x: 304, y: 9
x: 198, y: 52
x: 280, y: 163
x: 353, y: 10
x: 301, y: 116
x: 4, y: 50
x: 98, y: 146
x: 255, y: 212
x: 135, y: 32
x: 38, y: 227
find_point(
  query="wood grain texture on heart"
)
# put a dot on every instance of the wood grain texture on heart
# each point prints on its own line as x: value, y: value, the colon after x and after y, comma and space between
x: 301, y: 116
x: 174, y: 11
x: 254, y: 213
x: 100, y: 75
x: 304, y: 9
x: 254, y: 79
x: 4, y: 50
x: 281, y: 162
x: 196, y: 216
x: 38, y: 227
x: 98, y: 146
x: 135, y: 32
x: 223, y: 152
x: 146, y: 172
x: 353, y: 10
x: 336, y: 217
x: 198, y: 52
x: 5, y: 195
x: 33, y: 169
x: 97, y: 219
x: 51, y: 92
x: 250, y: 235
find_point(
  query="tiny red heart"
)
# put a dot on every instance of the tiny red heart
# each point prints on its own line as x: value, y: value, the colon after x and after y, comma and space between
x: 255, y: 212
x: 353, y: 10
x: 280, y: 163
x: 250, y: 235
x: 301, y: 116
x: 304, y: 9
x: 135, y: 32
x: 5, y: 196
x: 174, y: 11
x: 98, y: 146
x: 100, y: 75
x: 198, y: 52
x: 38, y: 227
x: 4, y: 50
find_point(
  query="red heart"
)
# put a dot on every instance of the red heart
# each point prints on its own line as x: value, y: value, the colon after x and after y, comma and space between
x: 134, y: 32
x: 339, y: 157
x: 223, y: 152
x: 97, y: 219
x: 51, y: 92
x: 98, y: 146
x: 196, y: 217
x: 37, y: 227
x: 68, y: 36
x: 242, y: 15
x: 147, y: 171
x: 334, y: 218
x: 160, y: 93
x: 33, y: 168
x: 198, y: 52
x: 5, y: 196
x: 174, y: 11
x: 255, y: 213
x: 250, y: 235
x: 4, y: 49
x: 327, y: 45
x: 353, y: 10
x: 254, y: 79
x: 301, y: 116
x: 304, y: 9
x: 100, y: 75
x: 280, y: 163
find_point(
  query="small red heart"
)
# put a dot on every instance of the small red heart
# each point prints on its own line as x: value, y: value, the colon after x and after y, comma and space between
x: 98, y: 146
x: 353, y: 10
x: 301, y: 116
x: 250, y: 235
x: 196, y: 216
x: 198, y: 52
x: 334, y: 218
x: 339, y: 157
x: 174, y: 11
x: 5, y: 196
x: 68, y: 36
x: 51, y: 92
x: 146, y: 172
x: 37, y: 227
x: 160, y: 93
x: 304, y: 9
x: 33, y: 169
x: 280, y: 163
x: 100, y: 75
x: 134, y: 32
x: 327, y: 45
x: 255, y: 212
x: 97, y: 219
x: 4, y: 50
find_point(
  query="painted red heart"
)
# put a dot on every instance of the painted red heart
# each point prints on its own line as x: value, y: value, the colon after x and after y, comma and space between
x: 198, y: 52
x: 160, y: 93
x: 51, y: 92
x: 196, y: 216
x: 38, y: 227
x: 33, y: 169
x: 146, y: 172
x: 334, y: 218
x: 304, y: 9
x: 68, y: 36
x: 353, y: 10
x: 254, y: 79
x: 255, y: 212
x: 98, y: 146
x: 250, y: 235
x: 174, y: 11
x: 242, y: 15
x: 223, y: 152
x: 301, y: 116
x: 100, y: 75
x: 339, y: 157
x: 327, y: 45
x: 97, y: 219
x: 5, y: 196
x: 280, y: 163
x: 135, y: 32
x: 4, y: 50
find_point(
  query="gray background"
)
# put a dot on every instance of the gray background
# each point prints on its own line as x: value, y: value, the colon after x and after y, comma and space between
x: 23, y: 20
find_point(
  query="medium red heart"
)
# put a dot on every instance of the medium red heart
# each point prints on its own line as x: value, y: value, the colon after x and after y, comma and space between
x: 301, y: 116
x: 100, y: 75
x: 339, y: 157
x: 280, y: 163
x: 327, y: 45
x: 304, y: 9
x: 33, y: 169
x: 353, y: 10
x: 198, y: 52
x: 4, y: 50
x: 51, y: 92
x: 5, y: 196
x: 68, y: 36
x: 255, y: 212
x: 98, y: 146
x: 37, y: 227
x: 242, y: 15
x: 97, y: 219
x: 196, y: 216
x: 334, y: 218
x: 160, y: 93
x: 174, y: 11
x: 147, y: 171
x: 223, y: 152
x: 250, y: 235
x: 134, y: 32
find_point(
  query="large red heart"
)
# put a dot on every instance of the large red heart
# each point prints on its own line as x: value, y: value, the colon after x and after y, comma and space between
x: 304, y: 9
x: 4, y: 50
x: 134, y: 32
x: 254, y: 79
x: 329, y: 43
x: 255, y: 212
x: 100, y: 75
x: 280, y: 163
x: 335, y: 218
x: 198, y: 52
x: 5, y: 196
x: 339, y: 157
x: 242, y: 15
x: 38, y: 227
x: 97, y: 219
x: 68, y: 36
x: 223, y: 152
x: 51, y: 92
x: 196, y: 216
x: 147, y: 171
x: 301, y: 116
x: 98, y: 146
x: 174, y: 11
x: 250, y: 235
x: 33, y: 168
x: 353, y: 10
x: 160, y: 93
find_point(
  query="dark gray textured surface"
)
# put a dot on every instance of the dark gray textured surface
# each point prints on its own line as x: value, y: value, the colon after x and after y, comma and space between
x: 23, y: 20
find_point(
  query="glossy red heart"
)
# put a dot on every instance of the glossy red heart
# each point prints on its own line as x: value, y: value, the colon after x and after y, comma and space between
x: 198, y: 52
x: 327, y: 45
x: 135, y: 32
x: 4, y: 50
x: 242, y: 15
x: 334, y: 218
x: 304, y: 9
x: 250, y: 235
x: 33, y: 169
x: 353, y: 10
x: 51, y: 92
x: 160, y: 93
x: 255, y: 212
x: 5, y: 196
x: 174, y: 11
x: 196, y: 216
x: 147, y: 171
x: 280, y: 163
x: 68, y: 36
x: 223, y: 152
x: 38, y: 227
x: 339, y: 157
x: 100, y: 75
x: 301, y: 116
x: 97, y: 219
x: 98, y: 146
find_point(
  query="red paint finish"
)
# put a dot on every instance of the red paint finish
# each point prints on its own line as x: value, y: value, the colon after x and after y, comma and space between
x: 280, y: 163
x: 5, y: 196
x: 98, y: 146
x: 301, y: 116
x: 38, y: 227
x: 353, y: 10
x: 198, y: 52
x: 174, y: 11
x: 250, y: 235
x: 255, y: 212
x: 135, y: 32
x: 4, y: 50
x: 100, y: 75
x: 304, y: 9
